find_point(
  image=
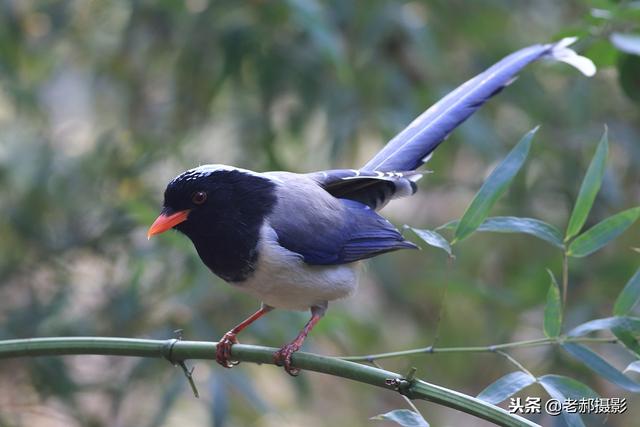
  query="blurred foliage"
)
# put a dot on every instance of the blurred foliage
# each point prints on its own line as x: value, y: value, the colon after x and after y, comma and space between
x: 623, y: 326
x: 101, y: 103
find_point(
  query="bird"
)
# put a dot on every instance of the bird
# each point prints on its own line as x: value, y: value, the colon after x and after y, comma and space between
x: 296, y: 241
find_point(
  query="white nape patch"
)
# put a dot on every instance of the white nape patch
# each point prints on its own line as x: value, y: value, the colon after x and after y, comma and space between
x: 206, y: 170
x: 283, y: 280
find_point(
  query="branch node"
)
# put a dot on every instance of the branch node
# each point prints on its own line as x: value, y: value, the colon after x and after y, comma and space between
x: 403, y: 386
x: 167, y: 353
x: 167, y: 350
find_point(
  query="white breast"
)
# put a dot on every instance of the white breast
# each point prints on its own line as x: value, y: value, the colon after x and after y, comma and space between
x: 282, y: 280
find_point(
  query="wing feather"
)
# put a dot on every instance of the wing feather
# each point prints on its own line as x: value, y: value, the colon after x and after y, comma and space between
x: 326, y: 230
x: 372, y: 188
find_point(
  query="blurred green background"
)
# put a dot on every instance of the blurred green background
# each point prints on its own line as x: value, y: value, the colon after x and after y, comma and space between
x: 102, y: 103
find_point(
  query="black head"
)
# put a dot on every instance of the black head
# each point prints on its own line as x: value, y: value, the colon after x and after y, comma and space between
x: 221, y: 209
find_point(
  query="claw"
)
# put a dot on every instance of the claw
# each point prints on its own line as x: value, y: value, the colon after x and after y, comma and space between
x: 282, y: 357
x: 223, y: 350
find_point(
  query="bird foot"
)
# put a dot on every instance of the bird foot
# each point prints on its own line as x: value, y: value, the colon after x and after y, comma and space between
x: 282, y: 357
x: 223, y: 350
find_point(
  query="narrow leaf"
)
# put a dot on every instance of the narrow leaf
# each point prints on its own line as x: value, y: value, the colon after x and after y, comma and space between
x: 629, y: 296
x: 451, y: 225
x: 628, y: 340
x: 589, y: 188
x: 633, y: 367
x: 624, y: 328
x: 553, y: 309
x: 403, y: 417
x: 601, y: 366
x: 493, y: 187
x: 619, y: 322
x: 563, y: 388
x: 433, y: 238
x: 512, y: 224
x: 602, y: 233
x: 506, y: 387
x: 568, y: 387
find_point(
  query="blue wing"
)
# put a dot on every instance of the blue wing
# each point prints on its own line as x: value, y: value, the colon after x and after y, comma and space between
x: 369, y: 234
x: 374, y: 189
x: 361, y: 233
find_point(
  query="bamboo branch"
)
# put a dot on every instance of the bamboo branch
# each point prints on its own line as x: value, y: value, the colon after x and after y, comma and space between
x: 177, y: 351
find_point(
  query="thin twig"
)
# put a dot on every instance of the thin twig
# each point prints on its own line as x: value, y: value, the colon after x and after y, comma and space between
x: 515, y: 362
x: 443, y: 301
x: 480, y: 349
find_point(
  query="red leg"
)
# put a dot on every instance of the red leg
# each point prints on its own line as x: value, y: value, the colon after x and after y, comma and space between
x: 282, y: 357
x: 223, y: 349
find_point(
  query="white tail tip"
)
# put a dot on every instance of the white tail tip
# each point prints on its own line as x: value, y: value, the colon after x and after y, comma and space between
x: 562, y: 52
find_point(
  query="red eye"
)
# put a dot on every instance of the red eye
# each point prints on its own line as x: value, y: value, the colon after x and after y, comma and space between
x: 199, y: 197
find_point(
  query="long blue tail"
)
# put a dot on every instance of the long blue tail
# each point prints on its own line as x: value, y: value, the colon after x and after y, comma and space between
x: 411, y: 148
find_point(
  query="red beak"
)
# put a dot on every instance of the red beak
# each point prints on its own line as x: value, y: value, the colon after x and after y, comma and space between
x: 166, y: 222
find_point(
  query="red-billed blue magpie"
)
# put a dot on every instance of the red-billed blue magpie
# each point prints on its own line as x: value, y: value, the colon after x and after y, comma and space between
x: 294, y: 241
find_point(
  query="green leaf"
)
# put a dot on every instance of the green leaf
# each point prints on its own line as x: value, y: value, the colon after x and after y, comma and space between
x: 493, y: 187
x: 512, y: 224
x: 553, y: 309
x: 403, y: 417
x: 601, y: 366
x: 627, y: 339
x: 624, y: 329
x: 629, y: 296
x: 589, y: 188
x: 629, y: 76
x: 619, y: 322
x: 451, y: 225
x: 506, y: 387
x: 602, y: 233
x: 562, y: 388
x: 568, y: 387
x: 433, y: 239
x: 633, y: 367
